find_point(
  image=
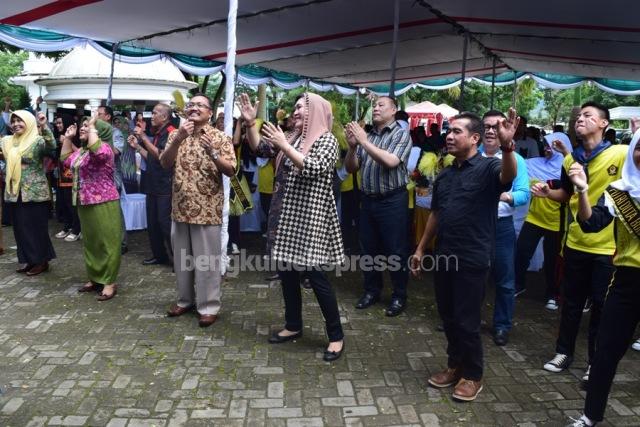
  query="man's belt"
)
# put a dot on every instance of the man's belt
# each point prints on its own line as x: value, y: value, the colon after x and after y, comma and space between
x: 386, y: 194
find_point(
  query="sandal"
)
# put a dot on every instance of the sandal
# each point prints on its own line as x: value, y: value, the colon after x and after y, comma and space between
x: 105, y: 297
x: 91, y: 287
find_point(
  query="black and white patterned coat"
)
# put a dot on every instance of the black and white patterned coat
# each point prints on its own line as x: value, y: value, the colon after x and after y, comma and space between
x: 308, y: 233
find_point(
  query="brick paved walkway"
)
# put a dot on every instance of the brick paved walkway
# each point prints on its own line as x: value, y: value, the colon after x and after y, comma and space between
x: 66, y: 359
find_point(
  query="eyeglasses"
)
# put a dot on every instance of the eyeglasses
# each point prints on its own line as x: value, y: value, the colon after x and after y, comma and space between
x: 490, y: 127
x: 198, y: 105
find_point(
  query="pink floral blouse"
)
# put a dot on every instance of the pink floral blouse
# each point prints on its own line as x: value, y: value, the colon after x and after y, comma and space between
x: 93, y: 171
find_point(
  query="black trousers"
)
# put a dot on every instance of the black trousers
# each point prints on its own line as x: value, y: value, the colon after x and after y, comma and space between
x: 459, y: 295
x: 68, y: 212
x: 31, y: 231
x: 620, y: 317
x: 383, y: 232
x: 159, y: 226
x: 585, y: 275
x: 324, y: 293
x: 350, y: 218
x: 234, y: 230
x: 528, y: 239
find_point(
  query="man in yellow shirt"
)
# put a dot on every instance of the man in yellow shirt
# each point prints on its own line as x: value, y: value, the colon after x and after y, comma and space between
x: 588, y: 266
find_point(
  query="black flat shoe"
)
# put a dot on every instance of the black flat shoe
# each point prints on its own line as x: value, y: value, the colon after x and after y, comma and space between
x: 366, y: 300
x: 330, y: 356
x: 396, y: 307
x: 151, y: 261
x: 275, y: 338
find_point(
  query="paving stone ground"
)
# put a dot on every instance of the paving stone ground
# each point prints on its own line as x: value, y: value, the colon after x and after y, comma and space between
x: 67, y: 359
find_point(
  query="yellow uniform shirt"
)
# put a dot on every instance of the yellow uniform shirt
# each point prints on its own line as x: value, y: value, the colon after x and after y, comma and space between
x: 544, y: 213
x: 605, y: 168
x: 265, y: 178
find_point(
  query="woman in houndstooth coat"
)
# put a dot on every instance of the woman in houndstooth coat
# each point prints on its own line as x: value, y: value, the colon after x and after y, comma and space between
x: 304, y: 231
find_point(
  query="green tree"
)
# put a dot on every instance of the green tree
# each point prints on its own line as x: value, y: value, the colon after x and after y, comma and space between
x: 558, y: 104
x: 11, y: 66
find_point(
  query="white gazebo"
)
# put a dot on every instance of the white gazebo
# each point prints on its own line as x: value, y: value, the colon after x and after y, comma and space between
x: 82, y: 77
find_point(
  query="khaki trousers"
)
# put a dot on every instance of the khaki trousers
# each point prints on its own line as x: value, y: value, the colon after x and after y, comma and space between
x: 196, y: 260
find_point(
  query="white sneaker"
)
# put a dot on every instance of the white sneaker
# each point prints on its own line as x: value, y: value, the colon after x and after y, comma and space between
x: 72, y: 237
x: 585, y: 377
x: 234, y: 249
x: 551, y: 304
x: 583, y: 421
x: 62, y: 234
x: 636, y: 345
x: 559, y: 363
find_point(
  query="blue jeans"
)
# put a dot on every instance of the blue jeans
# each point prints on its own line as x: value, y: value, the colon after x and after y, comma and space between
x: 383, y: 231
x: 504, y: 274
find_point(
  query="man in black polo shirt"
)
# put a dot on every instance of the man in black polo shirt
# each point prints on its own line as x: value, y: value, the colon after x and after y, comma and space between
x: 463, y: 220
x: 381, y: 155
x: 158, y: 184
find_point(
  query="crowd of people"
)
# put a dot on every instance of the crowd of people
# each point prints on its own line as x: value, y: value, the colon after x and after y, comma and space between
x: 582, y: 196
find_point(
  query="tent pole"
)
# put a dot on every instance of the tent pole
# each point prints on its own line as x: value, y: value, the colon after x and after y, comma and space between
x: 113, y: 61
x: 464, y: 70
x: 357, y: 110
x: 515, y: 89
x: 493, y: 82
x: 394, y: 50
x: 229, y: 99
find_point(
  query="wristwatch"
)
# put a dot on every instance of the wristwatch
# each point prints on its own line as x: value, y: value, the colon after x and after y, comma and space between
x: 214, y: 155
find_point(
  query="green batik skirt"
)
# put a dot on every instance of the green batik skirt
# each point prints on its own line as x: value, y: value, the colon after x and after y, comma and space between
x: 101, y: 234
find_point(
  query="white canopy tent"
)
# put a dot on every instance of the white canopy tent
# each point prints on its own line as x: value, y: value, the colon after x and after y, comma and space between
x: 349, y: 42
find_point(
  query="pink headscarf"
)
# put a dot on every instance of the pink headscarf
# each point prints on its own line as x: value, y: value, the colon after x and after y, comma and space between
x: 318, y: 120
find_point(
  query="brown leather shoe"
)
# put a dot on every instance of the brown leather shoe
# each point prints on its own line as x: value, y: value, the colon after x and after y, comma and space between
x: 207, y: 320
x: 37, y: 269
x: 446, y: 378
x: 467, y: 390
x: 176, y: 310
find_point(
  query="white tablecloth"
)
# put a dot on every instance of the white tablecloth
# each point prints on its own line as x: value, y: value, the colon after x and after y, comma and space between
x: 134, y: 208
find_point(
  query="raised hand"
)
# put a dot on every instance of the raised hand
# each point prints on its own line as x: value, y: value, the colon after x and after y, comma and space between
x: 132, y: 141
x: 274, y: 135
x: 507, y: 127
x: 357, y: 134
x: 559, y: 147
x: 186, y: 129
x: 577, y: 175
x: 248, y: 111
x: 42, y: 120
x: 540, y: 189
x: 71, y: 131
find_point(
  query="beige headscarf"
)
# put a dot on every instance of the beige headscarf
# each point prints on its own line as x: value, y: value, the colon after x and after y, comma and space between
x: 15, y: 146
x: 318, y: 120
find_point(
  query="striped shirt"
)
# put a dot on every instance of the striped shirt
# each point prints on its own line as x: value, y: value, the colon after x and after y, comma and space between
x: 376, y: 179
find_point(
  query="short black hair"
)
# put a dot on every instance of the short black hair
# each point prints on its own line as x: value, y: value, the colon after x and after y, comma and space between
x: 604, y: 110
x: 558, y: 128
x: 204, y: 96
x: 402, y: 115
x: 475, y: 124
x: 493, y: 113
x: 395, y: 102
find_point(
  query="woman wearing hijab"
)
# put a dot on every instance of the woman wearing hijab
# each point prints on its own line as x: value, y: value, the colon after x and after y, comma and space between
x: 128, y: 167
x: 303, y: 229
x: 27, y: 189
x: 97, y: 200
x: 544, y: 218
x: 621, y: 313
x: 71, y: 228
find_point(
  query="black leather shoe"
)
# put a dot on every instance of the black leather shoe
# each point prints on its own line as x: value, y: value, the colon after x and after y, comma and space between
x: 396, y: 307
x: 275, y: 338
x: 151, y: 261
x: 366, y: 300
x: 501, y: 337
x: 330, y: 356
